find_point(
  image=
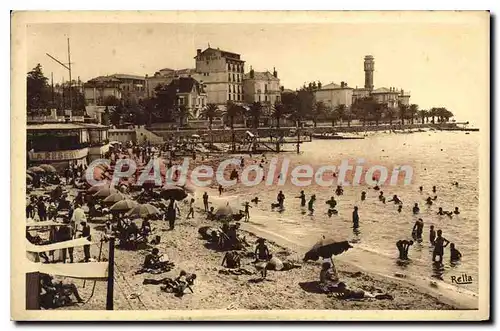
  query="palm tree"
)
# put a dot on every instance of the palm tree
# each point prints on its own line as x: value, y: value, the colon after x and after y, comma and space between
x: 255, y: 112
x: 433, y: 114
x: 210, y: 112
x: 422, y: 114
x: 413, y: 111
x: 341, y: 111
x: 348, y: 116
x: 390, y: 114
x: 233, y: 111
x: 377, y: 112
x: 279, y: 111
x: 184, y: 114
x: 318, y: 111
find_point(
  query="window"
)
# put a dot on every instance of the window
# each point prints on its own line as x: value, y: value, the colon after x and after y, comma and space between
x: 238, y: 76
x: 265, y: 98
x: 234, y: 78
x: 229, y: 77
x: 265, y: 88
x: 229, y: 96
x: 259, y: 97
x: 229, y: 88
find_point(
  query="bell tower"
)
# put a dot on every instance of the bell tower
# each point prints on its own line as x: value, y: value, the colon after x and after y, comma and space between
x: 369, y: 68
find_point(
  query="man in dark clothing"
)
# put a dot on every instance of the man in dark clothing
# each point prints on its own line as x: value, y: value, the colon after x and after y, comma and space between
x: 403, y: 246
x: 42, y: 210
x: 86, y: 234
x: 205, y: 201
x: 355, y: 218
x: 64, y: 234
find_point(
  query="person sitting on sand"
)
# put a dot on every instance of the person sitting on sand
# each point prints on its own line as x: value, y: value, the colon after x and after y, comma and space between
x: 231, y: 260
x: 302, y: 198
x: 53, y: 294
x: 342, y: 292
x: 153, y: 261
x: 455, y: 254
x: 403, y: 246
x: 211, y: 214
x: 363, y: 196
x: 262, y: 251
x: 328, y: 277
x: 416, y: 209
x: 145, y: 228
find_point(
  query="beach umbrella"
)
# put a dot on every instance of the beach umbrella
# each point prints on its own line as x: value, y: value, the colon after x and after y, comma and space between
x: 173, y: 192
x: 97, y: 188
x: 189, y: 188
x: 115, y: 197
x: 29, y: 172
x: 327, y: 247
x: 224, y: 212
x: 29, y: 178
x: 36, y: 170
x: 123, y: 205
x: 143, y: 211
x: 48, y: 168
x: 104, y: 192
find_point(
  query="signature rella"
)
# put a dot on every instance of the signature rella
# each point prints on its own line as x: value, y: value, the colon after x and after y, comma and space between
x: 252, y: 175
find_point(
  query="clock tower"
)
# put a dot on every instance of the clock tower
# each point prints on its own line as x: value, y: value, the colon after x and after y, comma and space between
x: 369, y: 68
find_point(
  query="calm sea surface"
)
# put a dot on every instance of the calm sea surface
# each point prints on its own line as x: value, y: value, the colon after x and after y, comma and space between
x: 437, y: 158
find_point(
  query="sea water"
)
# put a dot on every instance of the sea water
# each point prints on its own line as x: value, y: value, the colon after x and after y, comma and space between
x: 437, y: 158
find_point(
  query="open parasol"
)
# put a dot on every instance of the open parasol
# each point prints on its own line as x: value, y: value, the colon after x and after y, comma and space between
x: 143, y: 211
x: 171, y: 191
x: 189, y: 188
x: 29, y: 172
x: 37, y: 170
x: 104, y: 192
x: 114, y: 198
x: 97, y: 188
x: 48, y: 168
x: 123, y: 205
x: 224, y: 212
x: 327, y: 247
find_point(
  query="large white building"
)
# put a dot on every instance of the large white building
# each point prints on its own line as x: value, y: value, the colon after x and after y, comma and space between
x: 333, y: 95
x: 263, y: 87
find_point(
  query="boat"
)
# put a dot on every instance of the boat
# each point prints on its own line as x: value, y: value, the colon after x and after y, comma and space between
x: 334, y: 136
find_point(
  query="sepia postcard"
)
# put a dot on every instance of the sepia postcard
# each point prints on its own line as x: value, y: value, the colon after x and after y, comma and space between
x: 250, y: 165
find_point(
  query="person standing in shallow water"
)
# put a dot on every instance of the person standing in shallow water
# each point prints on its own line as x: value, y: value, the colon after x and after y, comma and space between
x: 311, y: 204
x: 355, y: 218
x: 220, y: 190
x: 363, y: 196
x: 439, y: 244
x: 302, y: 198
x: 432, y: 235
x: 205, y: 201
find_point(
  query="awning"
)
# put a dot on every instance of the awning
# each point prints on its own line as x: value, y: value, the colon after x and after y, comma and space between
x: 43, y: 224
x: 90, y: 270
x: 60, y: 245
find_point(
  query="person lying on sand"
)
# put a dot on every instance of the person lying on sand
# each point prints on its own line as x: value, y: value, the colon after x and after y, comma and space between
x: 343, y: 292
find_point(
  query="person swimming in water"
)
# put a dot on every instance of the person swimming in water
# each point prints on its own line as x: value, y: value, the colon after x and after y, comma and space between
x: 376, y: 187
x: 417, y: 230
x: 439, y: 244
x: 302, y: 198
x: 456, y: 211
x: 428, y: 201
x: 421, y: 189
x: 416, y: 209
x: 363, y: 196
x: 381, y: 196
x: 400, y: 208
x: 247, y: 211
x: 256, y: 200
x: 434, y: 189
x: 432, y: 235
x: 311, y: 204
x: 281, y: 199
x: 444, y: 212
x: 339, y: 190
x: 332, y: 202
x: 403, y: 246
x: 455, y: 254
x: 395, y: 199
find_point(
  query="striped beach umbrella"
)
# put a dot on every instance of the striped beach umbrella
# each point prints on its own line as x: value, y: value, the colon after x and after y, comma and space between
x: 48, y: 168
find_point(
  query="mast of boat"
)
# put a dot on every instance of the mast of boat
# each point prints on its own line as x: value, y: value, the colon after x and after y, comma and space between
x: 67, y: 67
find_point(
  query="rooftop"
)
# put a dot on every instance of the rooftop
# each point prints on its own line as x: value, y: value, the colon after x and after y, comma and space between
x: 333, y: 86
x: 184, y: 84
x: 385, y: 90
x: 226, y: 54
x: 261, y: 76
x: 64, y: 126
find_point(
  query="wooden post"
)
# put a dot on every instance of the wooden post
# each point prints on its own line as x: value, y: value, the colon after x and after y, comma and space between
x: 32, y: 291
x: 111, y: 272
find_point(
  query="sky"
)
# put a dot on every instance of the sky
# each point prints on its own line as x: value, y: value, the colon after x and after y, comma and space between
x: 439, y: 63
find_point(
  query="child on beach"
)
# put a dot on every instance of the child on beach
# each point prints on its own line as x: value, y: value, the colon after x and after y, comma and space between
x: 191, y: 209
